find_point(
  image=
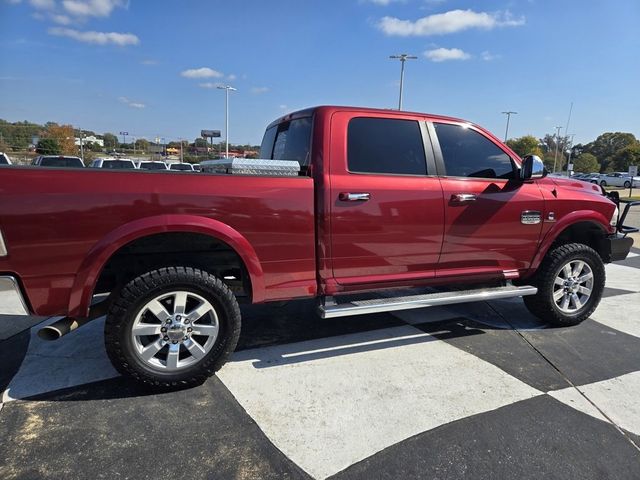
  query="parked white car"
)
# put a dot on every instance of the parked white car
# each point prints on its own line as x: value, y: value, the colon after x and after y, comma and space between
x: 114, y: 163
x: 618, y: 179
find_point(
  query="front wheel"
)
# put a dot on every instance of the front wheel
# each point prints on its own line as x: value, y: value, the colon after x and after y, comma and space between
x: 570, y: 283
x: 603, y: 183
x: 172, y: 327
x: 627, y: 184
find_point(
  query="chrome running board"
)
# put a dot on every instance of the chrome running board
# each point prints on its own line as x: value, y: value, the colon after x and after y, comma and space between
x: 329, y: 309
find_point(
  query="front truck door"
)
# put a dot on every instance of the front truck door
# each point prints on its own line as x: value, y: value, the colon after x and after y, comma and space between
x: 492, y: 221
x: 386, y: 211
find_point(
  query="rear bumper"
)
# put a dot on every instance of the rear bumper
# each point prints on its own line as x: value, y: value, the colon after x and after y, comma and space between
x: 615, y: 247
x: 11, y: 299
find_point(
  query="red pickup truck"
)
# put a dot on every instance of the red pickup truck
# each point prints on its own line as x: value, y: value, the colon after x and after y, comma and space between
x: 380, y: 200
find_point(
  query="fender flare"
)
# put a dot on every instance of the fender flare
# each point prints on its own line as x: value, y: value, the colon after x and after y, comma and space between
x: 578, y: 216
x: 107, y: 246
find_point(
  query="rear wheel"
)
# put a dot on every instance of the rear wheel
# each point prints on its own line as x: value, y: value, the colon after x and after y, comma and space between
x: 570, y: 282
x: 172, y: 327
x: 603, y: 183
x: 627, y: 184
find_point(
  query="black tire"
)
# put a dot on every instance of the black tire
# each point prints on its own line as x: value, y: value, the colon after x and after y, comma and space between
x: 543, y: 306
x: 603, y: 183
x: 135, y: 295
x: 627, y: 184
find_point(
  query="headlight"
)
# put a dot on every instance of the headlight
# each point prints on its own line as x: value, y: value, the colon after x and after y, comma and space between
x: 614, y: 218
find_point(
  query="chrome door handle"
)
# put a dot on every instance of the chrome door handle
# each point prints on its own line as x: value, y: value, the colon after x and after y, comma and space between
x: 354, y: 197
x: 463, y: 197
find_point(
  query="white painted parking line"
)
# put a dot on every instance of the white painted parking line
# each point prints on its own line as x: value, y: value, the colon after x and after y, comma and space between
x: 75, y: 359
x: 622, y: 277
x: 616, y: 397
x: 332, y: 402
x: 621, y: 312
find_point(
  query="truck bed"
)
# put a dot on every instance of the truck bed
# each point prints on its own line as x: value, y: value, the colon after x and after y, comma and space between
x: 53, y: 220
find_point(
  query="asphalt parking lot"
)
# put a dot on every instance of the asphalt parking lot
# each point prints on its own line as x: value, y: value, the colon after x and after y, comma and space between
x: 476, y: 391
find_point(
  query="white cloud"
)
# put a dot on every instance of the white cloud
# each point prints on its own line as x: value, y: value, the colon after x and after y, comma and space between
x: 444, y: 54
x: 488, y: 56
x: 99, y: 38
x: 259, y: 90
x: 91, y: 8
x: 203, y: 72
x: 43, y: 4
x: 149, y: 62
x: 210, y: 85
x: 448, y: 22
x: 232, y: 77
x: 131, y: 103
x: 61, y: 19
x: 283, y: 107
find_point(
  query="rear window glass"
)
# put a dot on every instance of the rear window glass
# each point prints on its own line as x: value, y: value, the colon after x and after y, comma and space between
x: 60, y: 162
x: 117, y: 164
x: 181, y: 166
x: 153, y: 166
x: 288, y: 141
x: 386, y: 146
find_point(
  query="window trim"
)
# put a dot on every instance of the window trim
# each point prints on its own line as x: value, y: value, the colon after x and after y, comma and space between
x: 430, y: 162
x: 442, y: 169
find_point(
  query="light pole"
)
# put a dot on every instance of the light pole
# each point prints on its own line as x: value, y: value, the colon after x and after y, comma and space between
x: 508, y: 114
x: 81, y: 145
x: 555, y: 158
x: 226, y: 115
x: 570, y: 151
x: 403, y: 57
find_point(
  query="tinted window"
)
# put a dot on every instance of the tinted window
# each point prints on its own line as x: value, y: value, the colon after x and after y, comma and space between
x: 466, y: 153
x: 382, y: 145
x: 3, y: 159
x: 181, y: 166
x: 152, y: 166
x: 117, y: 164
x: 288, y: 141
x: 60, y: 162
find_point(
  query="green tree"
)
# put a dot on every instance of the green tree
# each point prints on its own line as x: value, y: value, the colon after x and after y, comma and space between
x: 110, y: 141
x: 527, y: 145
x: 142, y: 144
x: 626, y: 157
x: 586, y: 163
x: 606, y: 145
x: 48, y: 146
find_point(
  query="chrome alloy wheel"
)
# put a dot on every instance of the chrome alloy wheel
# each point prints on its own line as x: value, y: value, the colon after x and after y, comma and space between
x: 572, y: 286
x: 174, y: 330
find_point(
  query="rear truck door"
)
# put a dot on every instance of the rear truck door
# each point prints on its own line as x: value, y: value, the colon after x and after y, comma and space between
x: 385, y: 199
x: 493, y: 221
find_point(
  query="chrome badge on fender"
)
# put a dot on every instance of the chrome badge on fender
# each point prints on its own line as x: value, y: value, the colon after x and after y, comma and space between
x: 530, y: 217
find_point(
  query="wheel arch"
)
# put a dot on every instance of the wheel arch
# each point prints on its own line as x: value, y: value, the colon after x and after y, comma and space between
x: 586, y: 227
x: 91, y: 268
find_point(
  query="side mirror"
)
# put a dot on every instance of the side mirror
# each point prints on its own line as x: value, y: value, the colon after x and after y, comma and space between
x: 532, y: 168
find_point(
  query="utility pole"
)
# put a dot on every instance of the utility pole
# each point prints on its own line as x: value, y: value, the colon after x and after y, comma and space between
x: 555, y: 158
x: 570, y: 152
x: 81, y: 145
x: 226, y: 115
x: 508, y: 114
x: 403, y: 57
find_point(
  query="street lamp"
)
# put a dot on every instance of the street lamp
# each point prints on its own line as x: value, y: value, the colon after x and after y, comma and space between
x: 226, y: 115
x: 508, y: 114
x: 403, y: 57
x: 555, y: 158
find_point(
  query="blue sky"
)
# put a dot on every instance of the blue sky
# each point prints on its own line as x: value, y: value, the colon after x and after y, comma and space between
x: 149, y: 67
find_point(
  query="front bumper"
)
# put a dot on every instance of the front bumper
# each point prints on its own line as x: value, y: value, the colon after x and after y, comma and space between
x: 11, y: 300
x: 614, y: 248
